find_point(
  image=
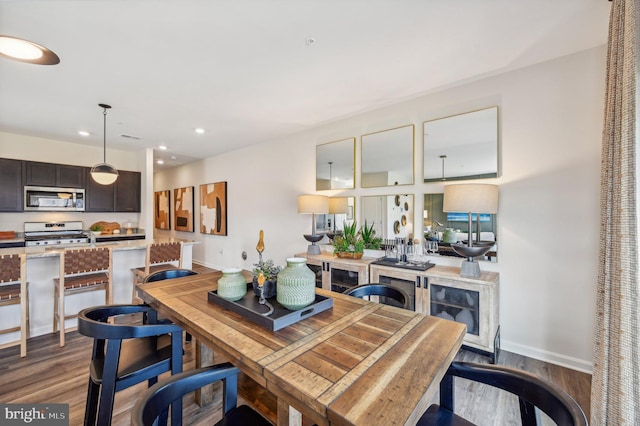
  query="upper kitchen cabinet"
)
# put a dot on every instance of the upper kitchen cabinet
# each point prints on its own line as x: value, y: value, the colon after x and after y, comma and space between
x: 57, y: 175
x: 122, y: 196
x: 127, y: 192
x: 98, y: 198
x: 10, y: 185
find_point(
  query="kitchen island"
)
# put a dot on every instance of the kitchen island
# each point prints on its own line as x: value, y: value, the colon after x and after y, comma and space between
x: 43, y: 265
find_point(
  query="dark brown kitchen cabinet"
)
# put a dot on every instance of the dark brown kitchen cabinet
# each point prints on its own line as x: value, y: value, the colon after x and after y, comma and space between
x: 69, y: 176
x: 121, y: 196
x: 98, y: 198
x: 50, y: 174
x: 127, y: 192
x: 11, y: 185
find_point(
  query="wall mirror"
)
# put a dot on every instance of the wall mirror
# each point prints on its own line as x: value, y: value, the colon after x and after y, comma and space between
x: 463, y: 146
x: 341, y: 211
x: 391, y: 215
x: 335, y: 165
x: 387, y: 157
x: 436, y: 222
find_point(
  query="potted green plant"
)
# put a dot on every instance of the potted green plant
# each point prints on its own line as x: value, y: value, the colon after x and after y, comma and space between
x: 369, y: 237
x: 350, y: 243
x: 96, y: 229
x: 270, y: 272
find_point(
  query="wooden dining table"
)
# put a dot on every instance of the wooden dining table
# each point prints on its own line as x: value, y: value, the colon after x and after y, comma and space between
x: 358, y: 363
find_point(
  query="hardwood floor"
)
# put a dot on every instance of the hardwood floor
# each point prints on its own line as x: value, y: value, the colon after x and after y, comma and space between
x: 50, y: 374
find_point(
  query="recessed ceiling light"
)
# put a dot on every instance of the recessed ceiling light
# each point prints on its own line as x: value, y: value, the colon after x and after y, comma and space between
x: 173, y: 157
x: 199, y: 130
x: 162, y: 147
x: 26, y: 51
x: 83, y: 133
x: 160, y: 161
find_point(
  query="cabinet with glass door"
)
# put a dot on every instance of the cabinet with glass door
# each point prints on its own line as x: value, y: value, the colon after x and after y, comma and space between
x: 471, y: 301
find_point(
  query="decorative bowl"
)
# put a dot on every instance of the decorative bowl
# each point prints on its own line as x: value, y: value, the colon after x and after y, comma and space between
x: 474, y: 251
x: 313, y: 238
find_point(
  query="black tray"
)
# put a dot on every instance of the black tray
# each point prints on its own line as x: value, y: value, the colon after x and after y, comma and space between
x: 281, y: 317
x: 386, y: 261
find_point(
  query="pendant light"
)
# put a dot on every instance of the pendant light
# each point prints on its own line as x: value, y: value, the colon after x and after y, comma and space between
x: 103, y: 173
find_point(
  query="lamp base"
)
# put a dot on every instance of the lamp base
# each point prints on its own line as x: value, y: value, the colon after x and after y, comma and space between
x: 470, y: 268
x: 313, y: 248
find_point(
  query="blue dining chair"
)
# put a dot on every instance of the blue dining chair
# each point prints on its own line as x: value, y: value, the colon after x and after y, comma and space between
x: 388, y: 295
x: 153, y: 404
x: 126, y: 354
x: 531, y: 390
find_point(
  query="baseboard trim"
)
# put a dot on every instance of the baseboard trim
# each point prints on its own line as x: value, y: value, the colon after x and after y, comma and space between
x: 206, y: 265
x: 552, y: 357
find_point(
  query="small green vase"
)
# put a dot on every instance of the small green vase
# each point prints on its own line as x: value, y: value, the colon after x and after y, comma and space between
x: 232, y: 285
x: 296, y: 284
x: 449, y: 236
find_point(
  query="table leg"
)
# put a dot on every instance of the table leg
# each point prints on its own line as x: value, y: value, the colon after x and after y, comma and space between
x: 204, y: 358
x: 287, y: 415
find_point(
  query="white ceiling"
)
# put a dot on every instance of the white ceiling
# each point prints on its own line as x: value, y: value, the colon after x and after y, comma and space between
x: 243, y: 70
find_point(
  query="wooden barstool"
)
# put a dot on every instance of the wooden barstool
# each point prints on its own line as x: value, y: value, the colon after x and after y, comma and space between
x: 14, y: 290
x: 81, y: 270
x: 159, y: 257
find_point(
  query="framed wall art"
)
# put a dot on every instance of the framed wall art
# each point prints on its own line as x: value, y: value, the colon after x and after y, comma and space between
x: 183, y: 209
x: 213, y: 208
x: 162, y: 209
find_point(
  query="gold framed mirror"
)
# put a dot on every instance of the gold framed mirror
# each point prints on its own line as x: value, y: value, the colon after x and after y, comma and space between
x: 387, y: 157
x: 389, y: 220
x: 462, y: 146
x: 335, y: 165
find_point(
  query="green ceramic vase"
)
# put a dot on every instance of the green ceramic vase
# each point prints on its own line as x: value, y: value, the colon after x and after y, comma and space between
x: 449, y: 236
x: 296, y: 284
x: 232, y: 285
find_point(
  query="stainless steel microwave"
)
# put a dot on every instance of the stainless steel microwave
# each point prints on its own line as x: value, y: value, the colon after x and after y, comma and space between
x: 43, y: 198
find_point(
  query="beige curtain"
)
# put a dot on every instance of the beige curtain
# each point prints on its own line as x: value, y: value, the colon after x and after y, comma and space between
x: 615, y: 391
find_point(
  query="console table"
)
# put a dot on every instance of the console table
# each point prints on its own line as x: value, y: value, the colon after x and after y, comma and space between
x: 441, y: 291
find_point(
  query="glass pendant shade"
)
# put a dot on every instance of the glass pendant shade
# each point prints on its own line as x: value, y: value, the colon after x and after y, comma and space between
x: 104, y: 174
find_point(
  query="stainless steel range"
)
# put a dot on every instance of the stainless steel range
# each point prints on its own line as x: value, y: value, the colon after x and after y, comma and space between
x: 53, y: 233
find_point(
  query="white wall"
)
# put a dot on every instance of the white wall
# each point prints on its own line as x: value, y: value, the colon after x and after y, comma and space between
x: 550, y: 125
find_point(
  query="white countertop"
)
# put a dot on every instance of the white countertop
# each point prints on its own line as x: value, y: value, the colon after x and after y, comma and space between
x: 36, y: 252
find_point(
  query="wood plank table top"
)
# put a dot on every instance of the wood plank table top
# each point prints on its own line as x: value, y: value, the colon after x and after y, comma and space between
x: 359, y: 363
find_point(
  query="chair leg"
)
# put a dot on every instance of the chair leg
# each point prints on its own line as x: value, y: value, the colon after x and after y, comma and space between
x: 91, y: 406
x: 447, y: 397
x: 134, y: 296
x: 61, y: 321
x: 55, y: 308
x: 24, y: 323
x: 108, y: 387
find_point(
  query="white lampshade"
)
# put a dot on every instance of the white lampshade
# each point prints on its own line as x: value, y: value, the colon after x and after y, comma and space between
x: 473, y: 198
x: 318, y: 204
x: 338, y: 205
x: 104, y: 174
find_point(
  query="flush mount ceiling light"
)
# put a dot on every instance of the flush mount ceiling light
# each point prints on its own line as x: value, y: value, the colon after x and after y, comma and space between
x: 103, y: 173
x: 26, y: 51
x: 199, y: 131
